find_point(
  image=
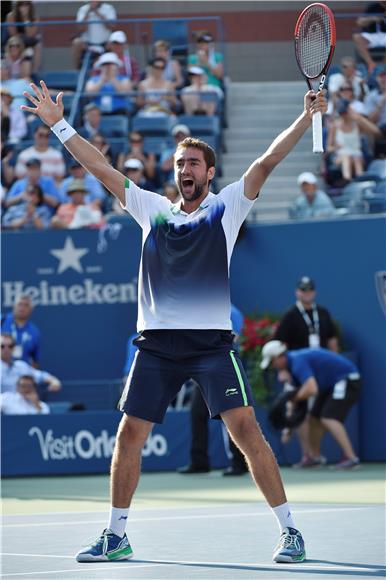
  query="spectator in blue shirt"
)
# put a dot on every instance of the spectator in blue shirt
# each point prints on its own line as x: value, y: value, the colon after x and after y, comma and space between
x: 109, y: 85
x: 17, y: 193
x: 32, y: 214
x: 312, y: 202
x: 331, y: 378
x: 25, y: 333
x: 96, y: 194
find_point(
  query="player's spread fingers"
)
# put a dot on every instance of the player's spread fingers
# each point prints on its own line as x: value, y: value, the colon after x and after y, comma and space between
x: 31, y: 98
x: 28, y: 109
x: 59, y: 99
x: 37, y: 91
x: 46, y: 94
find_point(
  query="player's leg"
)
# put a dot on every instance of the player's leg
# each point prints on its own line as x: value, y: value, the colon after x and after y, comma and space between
x: 151, y: 385
x: 228, y: 394
x: 126, y: 462
x: 246, y: 433
x: 243, y: 428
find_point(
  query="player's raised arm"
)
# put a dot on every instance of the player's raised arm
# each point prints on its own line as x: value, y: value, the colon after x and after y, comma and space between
x: 51, y: 113
x: 258, y: 172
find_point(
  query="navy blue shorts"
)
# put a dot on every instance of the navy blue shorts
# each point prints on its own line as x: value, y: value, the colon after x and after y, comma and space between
x: 168, y: 358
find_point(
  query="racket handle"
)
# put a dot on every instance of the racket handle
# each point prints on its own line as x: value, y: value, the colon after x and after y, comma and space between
x: 317, y: 132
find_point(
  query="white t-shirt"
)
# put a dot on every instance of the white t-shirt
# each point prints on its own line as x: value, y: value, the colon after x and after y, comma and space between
x: 11, y: 373
x: 97, y: 33
x: 52, y: 162
x: 16, y: 404
x: 184, y: 270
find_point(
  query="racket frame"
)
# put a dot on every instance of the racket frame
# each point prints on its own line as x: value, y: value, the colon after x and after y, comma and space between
x: 317, y: 128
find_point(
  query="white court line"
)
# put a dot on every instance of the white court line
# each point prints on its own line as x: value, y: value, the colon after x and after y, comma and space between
x: 238, y: 565
x: 186, y: 517
x: 176, y: 508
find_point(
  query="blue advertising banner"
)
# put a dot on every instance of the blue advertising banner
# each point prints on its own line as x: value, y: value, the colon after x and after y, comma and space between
x: 83, y: 442
x: 84, y: 286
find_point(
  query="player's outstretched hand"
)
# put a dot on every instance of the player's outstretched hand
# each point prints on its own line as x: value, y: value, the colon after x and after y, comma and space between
x: 49, y: 111
x: 315, y: 102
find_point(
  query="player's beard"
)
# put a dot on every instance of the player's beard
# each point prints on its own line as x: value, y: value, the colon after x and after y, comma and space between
x: 199, y: 188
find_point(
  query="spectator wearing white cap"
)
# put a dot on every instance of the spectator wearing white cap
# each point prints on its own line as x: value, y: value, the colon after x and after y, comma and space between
x: 135, y: 171
x: 312, y: 202
x: 208, y: 59
x: 200, y: 97
x: 156, y: 95
x: 109, y: 85
x: 166, y: 162
x: 94, y: 35
x: 118, y: 44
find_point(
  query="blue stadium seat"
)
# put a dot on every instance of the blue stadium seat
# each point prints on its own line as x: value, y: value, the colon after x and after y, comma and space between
x: 352, y: 196
x: 156, y: 125
x: 65, y: 80
x: 175, y: 32
x: 157, y: 144
x: 117, y: 145
x: 200, y: 125
x: 115, y: 126
x: 377, y: 167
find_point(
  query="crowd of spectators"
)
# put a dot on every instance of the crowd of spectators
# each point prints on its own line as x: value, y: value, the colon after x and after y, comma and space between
x: 354, y: 128
x: 41, y: 186
x: 37, y: 172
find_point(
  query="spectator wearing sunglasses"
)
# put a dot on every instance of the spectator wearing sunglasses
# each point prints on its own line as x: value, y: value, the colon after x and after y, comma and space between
x: 51, y: 159
x: 348, y: 75
x: 24, y: 14
x: 156, y: 95
x: 16, y: 60
x: 12, y: 370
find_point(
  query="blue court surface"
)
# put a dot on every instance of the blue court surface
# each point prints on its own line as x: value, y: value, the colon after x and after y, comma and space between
x: 196, y: 527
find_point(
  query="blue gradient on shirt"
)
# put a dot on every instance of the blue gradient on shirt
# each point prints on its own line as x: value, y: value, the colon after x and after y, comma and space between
x: 187, y: 264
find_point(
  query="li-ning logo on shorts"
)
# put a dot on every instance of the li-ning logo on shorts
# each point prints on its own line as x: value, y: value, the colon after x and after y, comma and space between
x: 231, y: 391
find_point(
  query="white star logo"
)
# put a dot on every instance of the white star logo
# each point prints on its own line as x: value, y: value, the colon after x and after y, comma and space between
x: 69, y: 256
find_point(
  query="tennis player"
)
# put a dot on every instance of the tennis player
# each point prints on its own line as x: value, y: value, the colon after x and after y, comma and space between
x: 184, y: 312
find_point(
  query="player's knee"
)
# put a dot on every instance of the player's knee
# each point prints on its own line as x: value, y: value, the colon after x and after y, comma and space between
x: 132, y: 433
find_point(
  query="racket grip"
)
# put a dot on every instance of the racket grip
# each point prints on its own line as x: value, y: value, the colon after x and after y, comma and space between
x: 317, y: 132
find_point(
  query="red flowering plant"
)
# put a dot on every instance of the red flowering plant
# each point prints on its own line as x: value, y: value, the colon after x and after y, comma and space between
x: 257, y: 330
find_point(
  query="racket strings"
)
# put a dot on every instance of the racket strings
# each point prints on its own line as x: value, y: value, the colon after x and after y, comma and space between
x: 313, y: 42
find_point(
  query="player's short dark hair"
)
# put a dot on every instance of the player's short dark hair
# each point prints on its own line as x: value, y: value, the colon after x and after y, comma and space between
x: 208, y: 151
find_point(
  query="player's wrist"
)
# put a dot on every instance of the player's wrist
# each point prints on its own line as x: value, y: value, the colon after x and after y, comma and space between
x: 63, y: 130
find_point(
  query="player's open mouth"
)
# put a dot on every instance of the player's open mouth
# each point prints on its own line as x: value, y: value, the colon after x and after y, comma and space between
x: 187, y: 182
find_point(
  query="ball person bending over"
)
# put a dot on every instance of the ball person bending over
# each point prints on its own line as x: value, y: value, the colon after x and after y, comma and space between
x: 184, y: 312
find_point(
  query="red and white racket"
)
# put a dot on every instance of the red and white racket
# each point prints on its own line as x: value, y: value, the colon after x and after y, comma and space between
x: 315, y: 39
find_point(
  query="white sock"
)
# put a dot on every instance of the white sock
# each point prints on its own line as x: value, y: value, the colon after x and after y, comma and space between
x: 283, y: 516
x: 117, y: 521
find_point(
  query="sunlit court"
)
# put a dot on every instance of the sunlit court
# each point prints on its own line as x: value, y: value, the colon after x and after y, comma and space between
x: 193, y: 377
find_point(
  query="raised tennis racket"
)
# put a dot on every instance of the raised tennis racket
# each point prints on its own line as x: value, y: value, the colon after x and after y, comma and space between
x: 314, y: 48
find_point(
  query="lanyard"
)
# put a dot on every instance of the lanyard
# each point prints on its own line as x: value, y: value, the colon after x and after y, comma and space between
x: 312, y: 324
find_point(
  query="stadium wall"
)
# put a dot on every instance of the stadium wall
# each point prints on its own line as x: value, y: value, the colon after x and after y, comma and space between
x: 84, y: 284
x: 258, y: 35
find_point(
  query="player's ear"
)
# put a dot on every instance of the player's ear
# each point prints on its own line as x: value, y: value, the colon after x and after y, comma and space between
x: 211, y: 172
